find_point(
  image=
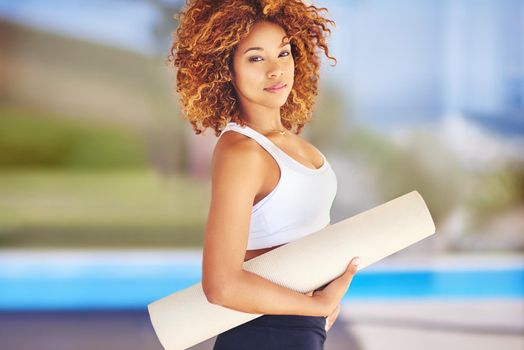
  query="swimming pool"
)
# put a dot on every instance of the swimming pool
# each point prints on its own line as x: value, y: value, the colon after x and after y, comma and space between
x: 131, y: 280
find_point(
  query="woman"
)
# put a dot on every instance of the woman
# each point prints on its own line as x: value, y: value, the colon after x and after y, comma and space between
x: 251, y: 67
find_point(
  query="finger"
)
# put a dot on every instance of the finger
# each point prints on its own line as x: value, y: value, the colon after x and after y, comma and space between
x: 335, y: 310
x: 330, y: 321
x: 333, y: 315
x: 351, y: 270
x: 353, y: 266
x: 355, y: 262
x: 336, y: 313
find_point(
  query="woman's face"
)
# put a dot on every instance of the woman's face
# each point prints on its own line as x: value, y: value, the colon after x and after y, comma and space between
x: 262, y: 59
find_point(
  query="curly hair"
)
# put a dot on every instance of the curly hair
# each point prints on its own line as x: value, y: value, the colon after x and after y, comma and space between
x: 202, y: 57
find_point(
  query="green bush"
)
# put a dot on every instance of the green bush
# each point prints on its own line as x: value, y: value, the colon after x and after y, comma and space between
x: 30, y: 139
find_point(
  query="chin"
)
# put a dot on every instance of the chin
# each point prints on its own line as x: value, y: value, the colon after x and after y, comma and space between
x: 274, y: 105
x: 275, y: 102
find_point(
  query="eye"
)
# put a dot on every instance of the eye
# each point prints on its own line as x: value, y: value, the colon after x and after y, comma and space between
x: 253, y: 58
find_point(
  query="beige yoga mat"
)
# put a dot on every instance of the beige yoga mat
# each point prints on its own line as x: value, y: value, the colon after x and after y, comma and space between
x: 186, y: 318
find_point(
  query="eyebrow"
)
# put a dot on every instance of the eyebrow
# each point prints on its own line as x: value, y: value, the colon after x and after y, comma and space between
x: 261, y: 49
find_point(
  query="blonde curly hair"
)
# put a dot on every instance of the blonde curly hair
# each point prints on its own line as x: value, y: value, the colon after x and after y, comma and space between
x: 202, y: 57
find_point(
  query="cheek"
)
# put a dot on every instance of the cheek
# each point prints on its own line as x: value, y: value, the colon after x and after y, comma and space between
x: 290, y: 69
x: 250, y: 78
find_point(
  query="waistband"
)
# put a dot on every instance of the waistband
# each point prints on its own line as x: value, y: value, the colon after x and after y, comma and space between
x: 290, y: 321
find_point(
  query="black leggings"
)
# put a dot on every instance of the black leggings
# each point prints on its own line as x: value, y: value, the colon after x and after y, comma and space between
x: 275, y: 332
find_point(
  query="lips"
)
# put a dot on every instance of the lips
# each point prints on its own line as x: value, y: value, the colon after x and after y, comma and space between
x: 275, y: 87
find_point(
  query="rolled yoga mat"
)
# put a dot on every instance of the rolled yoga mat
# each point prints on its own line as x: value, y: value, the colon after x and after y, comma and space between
x: 186, y: 318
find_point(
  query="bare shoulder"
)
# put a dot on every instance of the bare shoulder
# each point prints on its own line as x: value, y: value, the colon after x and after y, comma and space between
x: 235, y: 151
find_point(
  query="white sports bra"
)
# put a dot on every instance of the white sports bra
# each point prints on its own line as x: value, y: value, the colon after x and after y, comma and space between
x: 299, y: 204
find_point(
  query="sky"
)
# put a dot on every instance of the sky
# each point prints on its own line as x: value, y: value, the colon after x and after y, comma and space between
x: 119, y: 23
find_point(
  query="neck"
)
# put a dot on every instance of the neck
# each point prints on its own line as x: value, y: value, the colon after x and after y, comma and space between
x: 263, y: 119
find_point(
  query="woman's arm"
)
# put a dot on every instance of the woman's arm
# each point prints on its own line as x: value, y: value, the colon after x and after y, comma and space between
x: 251, y: 293
x: 237, y: 168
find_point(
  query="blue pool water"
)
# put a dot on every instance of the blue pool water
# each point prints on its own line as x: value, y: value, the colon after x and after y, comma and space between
x: 38, y: 284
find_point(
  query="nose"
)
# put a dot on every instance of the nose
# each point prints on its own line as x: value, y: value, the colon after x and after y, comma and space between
x: 274, y: 70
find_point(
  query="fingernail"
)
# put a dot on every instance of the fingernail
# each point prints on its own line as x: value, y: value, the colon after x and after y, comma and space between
x: 356, y: 261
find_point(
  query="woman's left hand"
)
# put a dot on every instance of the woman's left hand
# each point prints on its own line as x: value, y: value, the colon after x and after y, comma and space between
x: 330, y: 320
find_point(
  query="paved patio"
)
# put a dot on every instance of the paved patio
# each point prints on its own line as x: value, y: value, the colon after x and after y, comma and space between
x: 376, y: 325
